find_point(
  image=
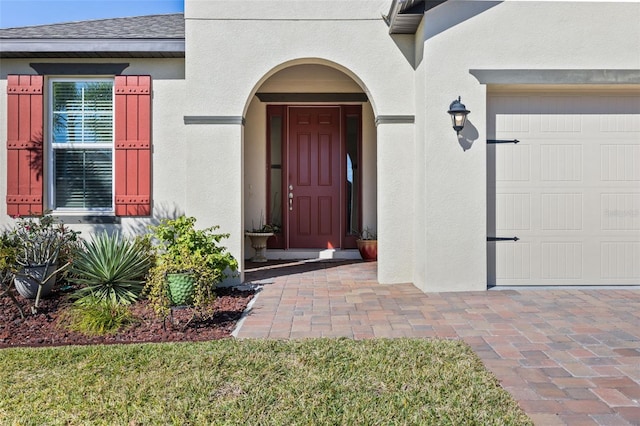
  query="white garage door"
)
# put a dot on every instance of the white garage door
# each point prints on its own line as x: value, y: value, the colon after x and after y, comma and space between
x: 569, y: 191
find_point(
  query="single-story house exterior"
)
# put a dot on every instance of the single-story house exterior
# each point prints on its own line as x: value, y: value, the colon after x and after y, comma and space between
x: 328, y: 117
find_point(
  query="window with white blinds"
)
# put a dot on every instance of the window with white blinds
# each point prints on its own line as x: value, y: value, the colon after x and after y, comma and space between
x: 81, y: 148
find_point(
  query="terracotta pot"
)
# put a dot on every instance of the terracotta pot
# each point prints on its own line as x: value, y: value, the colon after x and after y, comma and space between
x: 368, y: 249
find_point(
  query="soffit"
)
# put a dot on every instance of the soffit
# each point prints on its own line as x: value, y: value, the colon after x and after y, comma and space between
x: 405, y: 15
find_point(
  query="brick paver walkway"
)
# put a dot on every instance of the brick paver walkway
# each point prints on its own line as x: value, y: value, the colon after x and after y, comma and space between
x: 569, y: 356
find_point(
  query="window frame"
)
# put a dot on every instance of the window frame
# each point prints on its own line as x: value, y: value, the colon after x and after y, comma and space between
x: 48, y: 163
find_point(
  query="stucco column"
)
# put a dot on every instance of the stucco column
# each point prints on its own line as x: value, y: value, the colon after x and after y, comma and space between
x: 395, y: 199
x: 214, y: 178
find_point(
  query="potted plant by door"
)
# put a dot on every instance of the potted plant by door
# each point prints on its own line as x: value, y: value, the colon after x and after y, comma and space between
x: 368, y: 244
x: 189, y: 264
x: 42, y: 244
x: 259, y: 236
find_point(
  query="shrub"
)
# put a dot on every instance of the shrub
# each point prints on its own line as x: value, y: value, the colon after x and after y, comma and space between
x: 8, y: 249
x: 94, y: 316
x: 111, y: 268
x: 181, y: 248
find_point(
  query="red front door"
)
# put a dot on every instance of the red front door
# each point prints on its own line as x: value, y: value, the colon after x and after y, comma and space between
x: 314, y: 176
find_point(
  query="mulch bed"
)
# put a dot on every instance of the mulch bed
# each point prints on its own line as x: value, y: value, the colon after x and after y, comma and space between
x: 45, y: 328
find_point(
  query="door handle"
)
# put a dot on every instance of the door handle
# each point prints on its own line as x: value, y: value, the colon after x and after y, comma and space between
x: 290, y: 197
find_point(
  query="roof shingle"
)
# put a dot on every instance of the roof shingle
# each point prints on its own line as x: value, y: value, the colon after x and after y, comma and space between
x: 169, y: 26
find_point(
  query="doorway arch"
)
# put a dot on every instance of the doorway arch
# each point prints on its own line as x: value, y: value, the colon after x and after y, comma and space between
x: 342, y: 113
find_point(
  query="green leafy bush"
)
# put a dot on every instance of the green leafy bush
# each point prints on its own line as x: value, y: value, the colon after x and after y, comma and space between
x: 180, y: 248
x: 8, y: 250
x: 94, y: 316
x: 111, y: 268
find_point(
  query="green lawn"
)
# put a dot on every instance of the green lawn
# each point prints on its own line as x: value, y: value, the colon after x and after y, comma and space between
x: 307, y: 382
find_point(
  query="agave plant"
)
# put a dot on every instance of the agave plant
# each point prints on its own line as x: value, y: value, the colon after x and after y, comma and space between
x: 111, y: 268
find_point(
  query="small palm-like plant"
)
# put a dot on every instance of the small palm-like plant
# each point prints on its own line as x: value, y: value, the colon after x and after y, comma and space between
x: 111, y: 268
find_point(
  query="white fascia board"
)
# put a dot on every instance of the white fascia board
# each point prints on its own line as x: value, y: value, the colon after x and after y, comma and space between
x: 285, y: 10
x: 92, y: 45
x: 560, y: 76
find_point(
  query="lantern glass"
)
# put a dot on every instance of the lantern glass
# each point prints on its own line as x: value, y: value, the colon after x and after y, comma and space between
x: 458, y: 114
x: 458, y: 120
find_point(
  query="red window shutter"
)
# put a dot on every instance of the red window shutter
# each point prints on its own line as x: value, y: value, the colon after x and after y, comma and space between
x: 25, y: 154
x: 133, y: 145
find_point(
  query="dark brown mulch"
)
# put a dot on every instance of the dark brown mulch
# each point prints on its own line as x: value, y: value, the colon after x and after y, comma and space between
x: 45, y: 328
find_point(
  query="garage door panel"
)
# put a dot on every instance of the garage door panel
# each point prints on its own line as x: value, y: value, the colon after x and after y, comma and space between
x: 561, y: 162
x: 560, y: 114
x: 620, y: 260
x: 620, y: 212
x: 562, y: 211
x: 513, y: 164
x: 513, y: 211
x: 514, y: 261
x: 570, y: 190
x: 561, y: 260
x: 620, y: 162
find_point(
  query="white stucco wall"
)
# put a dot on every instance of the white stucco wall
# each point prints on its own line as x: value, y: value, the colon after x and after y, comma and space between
x: 430, y: 184
x: 242, y: 43
x: 234, y: 48
x: 168, y: 138
x: 369, y: 168
x: 421, y: 156
x: 462, y: 35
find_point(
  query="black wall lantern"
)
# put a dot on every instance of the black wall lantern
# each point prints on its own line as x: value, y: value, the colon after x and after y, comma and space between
x: 458, y: 114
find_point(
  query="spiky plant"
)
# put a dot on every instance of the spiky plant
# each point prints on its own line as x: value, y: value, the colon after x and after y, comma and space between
x: 111, y: 268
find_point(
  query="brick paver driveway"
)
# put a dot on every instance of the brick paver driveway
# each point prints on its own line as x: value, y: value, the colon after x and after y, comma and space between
x: 569, y: 356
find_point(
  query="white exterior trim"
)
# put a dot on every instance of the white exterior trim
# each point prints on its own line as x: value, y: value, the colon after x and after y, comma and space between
x: 203, y: 119
x: 573, y: 76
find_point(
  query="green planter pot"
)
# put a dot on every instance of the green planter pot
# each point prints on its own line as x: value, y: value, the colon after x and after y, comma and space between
x: 181, y: 288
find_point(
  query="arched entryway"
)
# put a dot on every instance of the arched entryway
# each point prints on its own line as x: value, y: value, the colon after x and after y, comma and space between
x: 310, y: 161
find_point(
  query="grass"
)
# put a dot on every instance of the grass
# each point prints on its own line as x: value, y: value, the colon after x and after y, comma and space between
x: 229, y: 382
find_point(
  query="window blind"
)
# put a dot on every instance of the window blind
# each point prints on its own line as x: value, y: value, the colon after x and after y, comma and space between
x: 84, y: 178
x: 82, y: 142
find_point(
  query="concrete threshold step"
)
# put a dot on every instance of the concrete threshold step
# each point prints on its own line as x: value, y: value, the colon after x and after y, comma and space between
x: 275, y: 254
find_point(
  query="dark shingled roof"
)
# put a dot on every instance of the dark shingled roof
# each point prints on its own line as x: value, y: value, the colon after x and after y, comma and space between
x: 137, y: 27
x: 153, y: 36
